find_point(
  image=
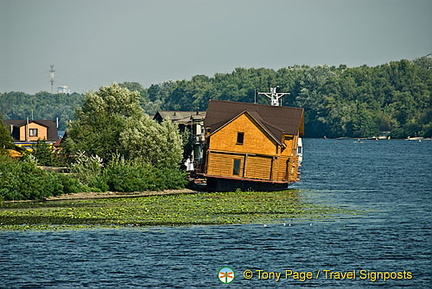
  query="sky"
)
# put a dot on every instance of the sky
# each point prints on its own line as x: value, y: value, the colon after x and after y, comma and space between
x: 93, y: 43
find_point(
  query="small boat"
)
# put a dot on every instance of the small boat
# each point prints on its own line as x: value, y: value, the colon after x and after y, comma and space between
x: 416, y: 138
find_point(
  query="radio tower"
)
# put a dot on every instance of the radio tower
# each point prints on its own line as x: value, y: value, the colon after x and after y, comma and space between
x: 274, y: 96
x: 52, y: 77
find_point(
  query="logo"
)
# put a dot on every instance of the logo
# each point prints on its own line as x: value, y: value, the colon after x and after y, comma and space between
x: 226, y: 275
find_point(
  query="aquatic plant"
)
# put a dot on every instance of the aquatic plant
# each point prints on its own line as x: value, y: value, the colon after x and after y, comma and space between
x: 166, y: 210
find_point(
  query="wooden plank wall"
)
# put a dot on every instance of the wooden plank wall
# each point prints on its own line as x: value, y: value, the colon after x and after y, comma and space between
x: 258, y: 167
x: 281, y: 168
x: 223, y: 164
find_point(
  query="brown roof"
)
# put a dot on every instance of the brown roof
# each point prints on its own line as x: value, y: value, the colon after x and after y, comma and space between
x: 180, y: 117
x: 275, y: 120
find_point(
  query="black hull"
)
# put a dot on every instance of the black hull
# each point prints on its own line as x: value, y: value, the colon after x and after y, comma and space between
x: 230, y: 185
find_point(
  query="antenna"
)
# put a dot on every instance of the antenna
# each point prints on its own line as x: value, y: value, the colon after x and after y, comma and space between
x: 274, y: 96
x: 52, y: 77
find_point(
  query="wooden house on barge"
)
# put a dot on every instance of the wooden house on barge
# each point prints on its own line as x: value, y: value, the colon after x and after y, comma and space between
x: 251, y: 146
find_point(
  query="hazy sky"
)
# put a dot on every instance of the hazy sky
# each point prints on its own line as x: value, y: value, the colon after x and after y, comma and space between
x: 96, y: 42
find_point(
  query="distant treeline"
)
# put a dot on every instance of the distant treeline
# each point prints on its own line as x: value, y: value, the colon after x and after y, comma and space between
x: 42, y: 105
x: 338, y: 101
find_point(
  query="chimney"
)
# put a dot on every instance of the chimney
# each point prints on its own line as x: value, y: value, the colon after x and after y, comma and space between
x: 27, y: 133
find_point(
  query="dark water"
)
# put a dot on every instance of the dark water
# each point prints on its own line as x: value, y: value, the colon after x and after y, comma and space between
x: 388, y: 184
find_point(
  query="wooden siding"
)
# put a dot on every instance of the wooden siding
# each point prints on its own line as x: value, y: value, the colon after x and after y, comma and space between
x: 255, y: 140
x: 280, y: 169
x: 258, y: 167
x: 291, y: 145
x: 25, y: 130
x: 221, y: 164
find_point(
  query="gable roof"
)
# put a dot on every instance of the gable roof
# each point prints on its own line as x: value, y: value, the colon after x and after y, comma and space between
x: 275, y: 120
x: 17, y: 123
x: 180, y: 117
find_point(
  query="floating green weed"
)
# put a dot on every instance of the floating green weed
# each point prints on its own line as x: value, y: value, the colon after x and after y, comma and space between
x: 172, y: 210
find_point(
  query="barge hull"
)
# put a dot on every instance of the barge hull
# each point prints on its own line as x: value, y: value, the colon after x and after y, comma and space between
x: 232, y: 184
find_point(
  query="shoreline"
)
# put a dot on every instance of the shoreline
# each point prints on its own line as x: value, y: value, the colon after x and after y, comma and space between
x: 108, y: 195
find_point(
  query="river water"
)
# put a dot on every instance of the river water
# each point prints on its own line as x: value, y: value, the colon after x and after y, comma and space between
x: 386, y: 184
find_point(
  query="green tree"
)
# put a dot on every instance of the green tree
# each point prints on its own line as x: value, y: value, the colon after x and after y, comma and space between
x: 44, y: 154
x: 101, y: 119
x: 338, y: 101
x: 5, y: 138
x: 158, y: 144
x: 111, y: 122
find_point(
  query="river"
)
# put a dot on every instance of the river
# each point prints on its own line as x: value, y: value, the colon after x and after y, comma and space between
x: 385, y: 242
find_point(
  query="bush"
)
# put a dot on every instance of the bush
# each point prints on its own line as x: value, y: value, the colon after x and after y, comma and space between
x: 86, y: 168
x: 45, y: 154
x: 129, y: 176
x: 22, y: 180
x: 70, y: 184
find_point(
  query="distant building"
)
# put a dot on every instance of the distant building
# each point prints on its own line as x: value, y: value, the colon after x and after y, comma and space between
x: 191, y: 122
x: 63, y: 89
x: 25, y: 133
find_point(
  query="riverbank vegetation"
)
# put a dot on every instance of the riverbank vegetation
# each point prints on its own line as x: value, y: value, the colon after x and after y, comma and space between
x: 167, y: 210
x: 111, y: 145
x: 339, y: 101
x: 23, y: 180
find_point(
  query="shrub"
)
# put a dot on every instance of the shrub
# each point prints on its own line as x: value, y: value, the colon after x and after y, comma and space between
x: 86, y: 168
x: 70, y: 184
x: 129, y: 176
x: 22, y: 180
x: 45, y: 154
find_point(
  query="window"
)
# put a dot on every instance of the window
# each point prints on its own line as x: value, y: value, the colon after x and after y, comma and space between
x: 299, y: 150
x: 33, y: 132
x: 240, y: 138
x: 236, y: 168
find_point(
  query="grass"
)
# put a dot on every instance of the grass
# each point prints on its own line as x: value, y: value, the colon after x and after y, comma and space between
x: 167, y: 210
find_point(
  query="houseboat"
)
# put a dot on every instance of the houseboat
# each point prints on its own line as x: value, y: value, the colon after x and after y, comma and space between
x: 252, y: 146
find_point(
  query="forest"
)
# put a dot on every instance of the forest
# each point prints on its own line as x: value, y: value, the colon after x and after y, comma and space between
x: 339, y: 101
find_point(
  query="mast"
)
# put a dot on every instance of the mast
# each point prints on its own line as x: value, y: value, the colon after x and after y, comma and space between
x: 52, y: 77
x: 274, y: 96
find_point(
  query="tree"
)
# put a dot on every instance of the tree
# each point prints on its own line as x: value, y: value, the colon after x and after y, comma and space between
x: 44, y: 154
x: 5, y: 138
x: 111, y: 122
x: 158, y: 144
x: 99, y: 121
